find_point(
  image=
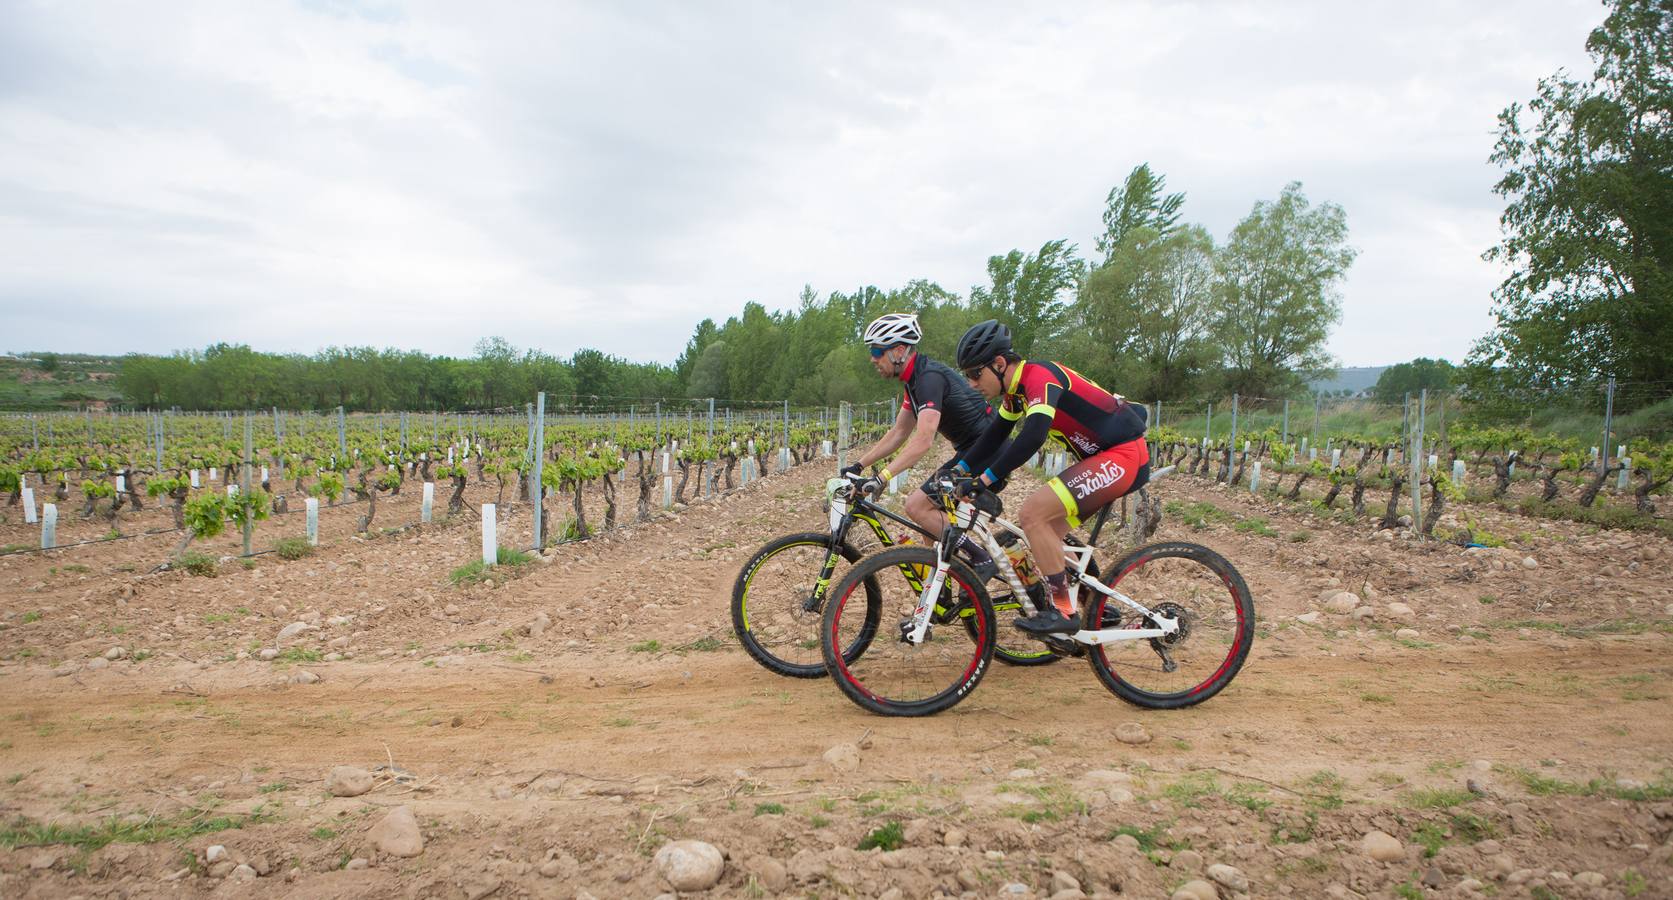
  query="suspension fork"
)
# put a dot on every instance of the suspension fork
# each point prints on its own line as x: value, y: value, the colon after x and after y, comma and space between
x: 816, y: 597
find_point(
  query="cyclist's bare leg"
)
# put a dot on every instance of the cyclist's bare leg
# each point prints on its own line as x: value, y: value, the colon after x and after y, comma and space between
x: 924, y: 511
x: 1046, y: 524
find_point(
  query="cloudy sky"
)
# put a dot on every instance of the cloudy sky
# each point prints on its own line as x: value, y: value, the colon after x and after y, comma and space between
x: 293, y: 175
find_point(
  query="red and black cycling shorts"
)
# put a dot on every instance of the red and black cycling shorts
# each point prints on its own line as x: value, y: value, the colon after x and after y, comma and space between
x: 1096, y: 481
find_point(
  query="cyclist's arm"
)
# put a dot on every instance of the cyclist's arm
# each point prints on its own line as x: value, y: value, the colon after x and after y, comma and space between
x: 929, y: 421
x: 1036, y: 428
x: 891, y: 439
x: 997, y: 431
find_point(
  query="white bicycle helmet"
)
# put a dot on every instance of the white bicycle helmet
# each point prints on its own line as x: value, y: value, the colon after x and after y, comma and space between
x: 893, y: 328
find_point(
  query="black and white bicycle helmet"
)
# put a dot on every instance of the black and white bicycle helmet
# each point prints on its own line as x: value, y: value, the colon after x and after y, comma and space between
x: 891, y: 329
x: 982, y: 343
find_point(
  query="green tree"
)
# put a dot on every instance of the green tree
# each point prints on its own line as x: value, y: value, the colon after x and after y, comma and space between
x: 1148, y: 306
x: 1138, y: 203
x: 1588, y: 227
x: 1409, y: 378
x: 1027, y: 291
x: 1278, y: 292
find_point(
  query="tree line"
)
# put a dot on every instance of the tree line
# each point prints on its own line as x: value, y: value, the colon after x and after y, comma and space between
x: 1162, y: 313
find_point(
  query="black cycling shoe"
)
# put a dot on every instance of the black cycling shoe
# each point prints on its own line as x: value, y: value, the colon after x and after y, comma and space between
x: 1048, y: 621
x: 985, y: 571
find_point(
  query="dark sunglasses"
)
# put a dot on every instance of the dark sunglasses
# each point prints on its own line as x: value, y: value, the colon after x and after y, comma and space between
x: 973, y: 373
x: 878, y: 352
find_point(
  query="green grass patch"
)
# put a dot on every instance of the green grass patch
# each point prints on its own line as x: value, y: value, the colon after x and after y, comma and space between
x: 1199, y: 514
x: 198, y: 563
x: 1436, y: 798
x: 1544, y: 786
x: 33, y: 615
x: 1300, y: 537
x: 1256, y: 525
x: 476, y: 572
x: 650, y: 646
x: 769, y: 809
x: 1150, y: 839
x: 293, y: 548
x: 22, y: 832
x: 885, y: 837
x: 299, y: 655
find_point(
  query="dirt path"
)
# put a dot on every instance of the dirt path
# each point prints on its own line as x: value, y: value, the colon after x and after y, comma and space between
x: 1517, y: 742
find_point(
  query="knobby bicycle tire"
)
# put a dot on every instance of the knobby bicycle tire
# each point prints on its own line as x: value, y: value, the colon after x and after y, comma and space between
x: 945, y: 668
x: 1218, y: 607
x: 765, y: 648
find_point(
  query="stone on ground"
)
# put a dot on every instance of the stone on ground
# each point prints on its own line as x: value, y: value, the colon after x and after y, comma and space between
x: 397, y: 833
x: 689, y: 865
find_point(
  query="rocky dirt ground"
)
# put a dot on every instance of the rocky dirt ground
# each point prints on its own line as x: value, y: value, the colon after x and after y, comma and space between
x: 1415, y: 719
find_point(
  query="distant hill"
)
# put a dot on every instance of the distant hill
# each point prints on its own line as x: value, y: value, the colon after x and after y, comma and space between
x: 1356, y: 379
x: 49, y: 381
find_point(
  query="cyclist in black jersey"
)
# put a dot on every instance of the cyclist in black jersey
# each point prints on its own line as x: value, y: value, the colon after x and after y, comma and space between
x: 937, y: 399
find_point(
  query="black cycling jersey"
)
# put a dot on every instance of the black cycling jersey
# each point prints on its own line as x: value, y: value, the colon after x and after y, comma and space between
x: 934, y: 385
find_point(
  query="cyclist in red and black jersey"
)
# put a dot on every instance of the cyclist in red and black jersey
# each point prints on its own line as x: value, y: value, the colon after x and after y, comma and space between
x: 936, y: 400
x: 1102, y: 430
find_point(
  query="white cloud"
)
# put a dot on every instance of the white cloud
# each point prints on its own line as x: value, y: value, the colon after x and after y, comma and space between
x: 567, y: 175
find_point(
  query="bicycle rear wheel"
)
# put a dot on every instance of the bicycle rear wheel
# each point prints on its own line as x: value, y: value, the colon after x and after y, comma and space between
x: 1217, y: 616
x: 769, y: 600
x: 892, y: 677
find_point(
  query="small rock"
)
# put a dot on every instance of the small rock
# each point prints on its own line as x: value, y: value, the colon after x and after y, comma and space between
x: 1132, y: 733
x: 214, y: 854
x: 43, y: 860
x: 452, y: 609
x: 269, y: 653
x: 1308, y: 618
x: 1186, y: 861
x: 843, y: 757
x: 243, y: 873
x: 292, y: 630
x: 1126, y: 840
x: 1018, y: 774
x: 1341, y: 603
x: 1409, y: 634
x: 770, y: 873
x: 115, y: 653
x: 304, y: 677
x: 1229, y: 877
x: 689, y: 865
x: 953, y: 838
x: 1062, y: 881
x: 1400, y: 612
x: 539, y: 625
x: 1382, y: 846
x: 1529, y: 562
x: 1196, y: 889
x: 98, y: 662
x: 221, y: 869
x: 348, y: 781
x: 1591, y: 879
x: 397, y: 833
x: 359, y: 862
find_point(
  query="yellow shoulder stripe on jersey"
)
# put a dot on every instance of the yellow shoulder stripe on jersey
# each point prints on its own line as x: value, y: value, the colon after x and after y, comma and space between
x: 1046, y: 408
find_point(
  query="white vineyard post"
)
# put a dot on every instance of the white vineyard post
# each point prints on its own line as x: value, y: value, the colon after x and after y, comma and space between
x: 312, y: 506
x: 538, y: 436
x: 213, y: 474
x: 490, y: 541
x: 49, y: 526
x: 1458, y: 472
x: 1336, y: 458
x: 1255, y: 477
x: 29, y: 506
x: 1417, y: 461
x: 427, y: 509
x: 342, y: 432
x: 195, y: 482
x: 1626, y: 472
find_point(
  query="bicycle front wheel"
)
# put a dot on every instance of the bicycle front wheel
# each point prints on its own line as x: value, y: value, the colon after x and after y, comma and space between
x: 1216, y: 614
x: 893, y: 677
x: 770, y: 600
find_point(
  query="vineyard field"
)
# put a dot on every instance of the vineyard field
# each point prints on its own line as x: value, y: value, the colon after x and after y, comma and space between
x: 1515, y: 737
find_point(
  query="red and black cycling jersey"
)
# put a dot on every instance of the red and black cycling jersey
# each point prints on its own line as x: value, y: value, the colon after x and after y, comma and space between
x: 1056, y: 401
x: 965, y: 414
